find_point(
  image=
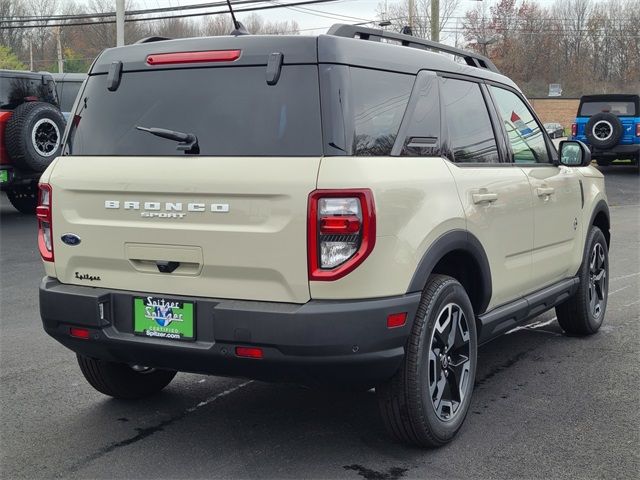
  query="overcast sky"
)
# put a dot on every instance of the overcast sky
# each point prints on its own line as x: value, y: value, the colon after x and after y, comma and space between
x: 315, y: 22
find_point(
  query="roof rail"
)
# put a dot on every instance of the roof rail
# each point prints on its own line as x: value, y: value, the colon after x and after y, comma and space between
x: 375, y: 34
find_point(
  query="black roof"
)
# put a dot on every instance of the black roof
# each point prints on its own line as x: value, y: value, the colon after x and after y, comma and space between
x: 330, y: 48
x: 69, y: 77
x: 23, y: 74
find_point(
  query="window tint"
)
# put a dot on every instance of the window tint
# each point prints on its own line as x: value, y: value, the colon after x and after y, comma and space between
x: 617, y: 108
x: 232, y: 112
x: 471, y: 136
x: 379, y: 102
x: 422, y: 132
x: 67, y: 92
x: 14, y: 90
x: 525, y: 135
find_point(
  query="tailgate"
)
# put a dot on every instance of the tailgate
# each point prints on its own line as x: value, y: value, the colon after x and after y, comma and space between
x: 221, y: 227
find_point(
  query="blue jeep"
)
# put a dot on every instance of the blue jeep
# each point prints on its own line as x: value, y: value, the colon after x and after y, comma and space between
x: 610, y: 125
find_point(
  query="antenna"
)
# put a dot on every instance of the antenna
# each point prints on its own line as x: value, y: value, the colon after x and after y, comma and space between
x: 239, y: 28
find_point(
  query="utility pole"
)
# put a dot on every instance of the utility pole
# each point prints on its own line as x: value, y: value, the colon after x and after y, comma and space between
x: 411, y: 9
x: 119, y: 23
x: 30, y: 53
x: 435, y: 20
x: 59, y: 50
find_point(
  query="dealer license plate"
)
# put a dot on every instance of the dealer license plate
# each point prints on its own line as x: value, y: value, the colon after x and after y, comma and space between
x: 165, y: 318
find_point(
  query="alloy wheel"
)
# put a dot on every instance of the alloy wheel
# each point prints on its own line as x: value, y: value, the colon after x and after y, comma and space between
x: 45, y: 137
x: 603, y: 130
x: 598, y: 281
x: 449, y: 361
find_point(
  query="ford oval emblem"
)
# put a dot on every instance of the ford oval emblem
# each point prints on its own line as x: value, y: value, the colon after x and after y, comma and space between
x: 70, y: 239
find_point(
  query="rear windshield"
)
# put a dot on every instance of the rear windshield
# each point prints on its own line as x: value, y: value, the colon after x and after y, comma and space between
x: 15, y: 91
x: 623, y: 108
x: 232, y: 111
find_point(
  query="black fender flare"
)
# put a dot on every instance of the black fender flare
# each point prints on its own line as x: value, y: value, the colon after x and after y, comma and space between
x: 455, y: 240
x: 602, y: 207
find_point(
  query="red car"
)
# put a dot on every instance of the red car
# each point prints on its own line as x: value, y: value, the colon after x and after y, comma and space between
x: 31, y: 128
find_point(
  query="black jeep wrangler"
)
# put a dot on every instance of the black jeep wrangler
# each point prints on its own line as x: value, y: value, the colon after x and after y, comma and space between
x: 31, y: 128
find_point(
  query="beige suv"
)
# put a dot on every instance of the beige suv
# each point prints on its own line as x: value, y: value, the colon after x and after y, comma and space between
x: 345, y: 209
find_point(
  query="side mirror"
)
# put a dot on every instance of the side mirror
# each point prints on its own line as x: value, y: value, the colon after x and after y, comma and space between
x: 574, y: 154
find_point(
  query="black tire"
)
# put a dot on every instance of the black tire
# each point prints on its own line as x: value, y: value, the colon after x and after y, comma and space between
x: 583, y: 312
x: 408, y: 402
x: 34, y: 135
x: 23, y: 200
x: 121, y: 381
x: 604, y: 130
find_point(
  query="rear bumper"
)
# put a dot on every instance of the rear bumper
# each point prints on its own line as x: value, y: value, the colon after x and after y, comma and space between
x: 320, y: 341
x: 620, y: 152
x: 11, y: 178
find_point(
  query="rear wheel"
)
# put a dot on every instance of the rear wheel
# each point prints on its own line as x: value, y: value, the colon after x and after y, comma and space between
x: 427, y: 400
x: 122, y: 381
x: 583, y: 313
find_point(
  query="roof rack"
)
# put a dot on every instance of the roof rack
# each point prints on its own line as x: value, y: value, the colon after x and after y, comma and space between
x: 375, y: 34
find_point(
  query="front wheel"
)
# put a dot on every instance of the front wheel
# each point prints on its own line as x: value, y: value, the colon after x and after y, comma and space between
x: 583, y: 313
x: 426, y: 401
x: 122, y: 381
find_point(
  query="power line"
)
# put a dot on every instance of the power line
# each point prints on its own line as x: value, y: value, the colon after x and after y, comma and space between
x: 82, y: 16
x: 168, y: 17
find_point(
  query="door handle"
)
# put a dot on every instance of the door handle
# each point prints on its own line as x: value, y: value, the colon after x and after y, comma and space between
x: 545, y: 191
x: 484, y: 197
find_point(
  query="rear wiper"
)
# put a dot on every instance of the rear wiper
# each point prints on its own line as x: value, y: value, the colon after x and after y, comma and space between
x: 188, y: 141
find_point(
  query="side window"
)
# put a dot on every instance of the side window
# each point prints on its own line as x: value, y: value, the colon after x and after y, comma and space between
x: 379, y: 102
x: 471, y: 136
x: 525, y: 135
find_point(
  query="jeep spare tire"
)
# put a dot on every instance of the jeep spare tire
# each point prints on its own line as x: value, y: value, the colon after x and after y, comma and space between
x: 604, y: 130
x: 34, y: 135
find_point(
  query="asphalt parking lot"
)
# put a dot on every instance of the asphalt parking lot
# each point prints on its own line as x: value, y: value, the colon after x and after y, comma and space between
x: 545, y: 405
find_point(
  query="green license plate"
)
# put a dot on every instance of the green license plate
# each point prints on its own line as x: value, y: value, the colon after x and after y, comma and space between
x: 4, y: 176
x: 159, y: 317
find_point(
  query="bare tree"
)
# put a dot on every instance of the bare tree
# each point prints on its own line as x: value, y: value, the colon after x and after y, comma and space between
x: 398, y: 15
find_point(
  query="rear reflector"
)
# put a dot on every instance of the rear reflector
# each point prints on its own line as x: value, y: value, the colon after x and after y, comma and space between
x: 82, y: 333
x: 249, y: 352
x: 396, y: 320
x: 193, y: 57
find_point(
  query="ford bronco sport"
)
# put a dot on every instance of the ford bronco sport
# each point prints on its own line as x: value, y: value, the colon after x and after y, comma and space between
x: 334, y: 209
x: 610, y: 125
x: 31, y: 127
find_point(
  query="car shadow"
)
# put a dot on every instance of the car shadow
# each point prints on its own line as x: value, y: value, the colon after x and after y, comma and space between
x: 292, y: 424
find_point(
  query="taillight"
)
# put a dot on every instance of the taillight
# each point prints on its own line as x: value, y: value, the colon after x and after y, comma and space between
x: 45, y: 228
x: 193, y: 57
x: 574, y: 129
x: 637, y: 129
x: 341, y: 231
